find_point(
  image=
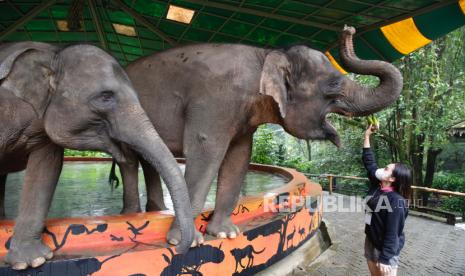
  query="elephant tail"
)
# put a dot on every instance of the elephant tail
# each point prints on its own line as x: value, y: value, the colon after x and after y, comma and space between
x: 113, y: 179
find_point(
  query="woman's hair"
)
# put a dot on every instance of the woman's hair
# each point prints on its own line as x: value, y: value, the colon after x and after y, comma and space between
x: 403, y: 181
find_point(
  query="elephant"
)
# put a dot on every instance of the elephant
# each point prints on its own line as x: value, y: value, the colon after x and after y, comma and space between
x: 75, y: 97
x: 207, y: 100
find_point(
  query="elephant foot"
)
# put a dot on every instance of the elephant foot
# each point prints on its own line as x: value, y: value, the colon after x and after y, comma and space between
x: 223, y: 228
x: 25, y: 253
x: 155, y: 206
x: 174, y: 236
x: 131, y: 210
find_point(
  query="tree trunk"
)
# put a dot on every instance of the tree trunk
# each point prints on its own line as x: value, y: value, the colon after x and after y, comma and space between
x: 431, y: 157
x: 309, y: 150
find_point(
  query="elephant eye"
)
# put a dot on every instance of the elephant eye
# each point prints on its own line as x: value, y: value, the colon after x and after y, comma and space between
x: 107, y: 95
x: 104, y: 100
x: 332, y: 88
x: 333, y: 84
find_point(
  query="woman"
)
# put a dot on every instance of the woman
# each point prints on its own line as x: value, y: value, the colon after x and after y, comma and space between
x: 387, y: 210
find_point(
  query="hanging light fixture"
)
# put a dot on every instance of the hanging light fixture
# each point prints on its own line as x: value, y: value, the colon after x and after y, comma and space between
x: 179, y: 14
x: 124, y: 29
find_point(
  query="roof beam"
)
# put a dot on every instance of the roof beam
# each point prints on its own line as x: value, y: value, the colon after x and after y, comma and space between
x: 373, y: 48
x: 348, y: 17
x: 263, y: 14
x: 423, y: 10
x: 26, y: 18
x: 97, y: 24
x: 144, y: 22
x: 377, y: 5
x: 401, y: 17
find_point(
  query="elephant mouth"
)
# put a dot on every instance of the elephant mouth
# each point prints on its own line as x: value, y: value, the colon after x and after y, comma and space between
x: 331, y: 132
x: 115, y: 149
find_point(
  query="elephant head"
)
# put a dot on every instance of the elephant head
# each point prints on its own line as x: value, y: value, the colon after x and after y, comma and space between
x: 306, y: 87
x: 85, y: 101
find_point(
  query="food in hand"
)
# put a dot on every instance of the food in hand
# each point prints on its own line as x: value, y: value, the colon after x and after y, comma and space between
x: 372, y: 120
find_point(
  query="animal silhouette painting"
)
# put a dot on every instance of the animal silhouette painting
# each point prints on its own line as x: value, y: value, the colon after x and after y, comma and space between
x: 290, y: 237
x: 191, y: 262
x: 246, y: 252
x: 302, y: 233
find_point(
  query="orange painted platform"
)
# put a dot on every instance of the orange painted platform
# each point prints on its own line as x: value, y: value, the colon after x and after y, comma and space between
x: 135, y: 244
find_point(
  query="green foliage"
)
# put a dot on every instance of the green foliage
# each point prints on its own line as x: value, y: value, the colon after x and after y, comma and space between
x: 70, y: 152
x: 450, y: 182
x: 452, y: 157
x: 414, y: 130
x: 299, y: 164
x: 454, y: 204
x: 265, y: 148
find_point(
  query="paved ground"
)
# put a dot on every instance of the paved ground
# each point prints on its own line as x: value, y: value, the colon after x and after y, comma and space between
x: 431, y: 248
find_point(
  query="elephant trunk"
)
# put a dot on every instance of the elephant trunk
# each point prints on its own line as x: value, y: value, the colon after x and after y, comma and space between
x: 135, y: 129
x: 362, y: 101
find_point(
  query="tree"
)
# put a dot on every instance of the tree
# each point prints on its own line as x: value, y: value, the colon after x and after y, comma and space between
x: 413, y: 130
x: 432, y: 100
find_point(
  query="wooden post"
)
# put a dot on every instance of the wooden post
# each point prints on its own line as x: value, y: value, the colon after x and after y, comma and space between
x: 330, y: 180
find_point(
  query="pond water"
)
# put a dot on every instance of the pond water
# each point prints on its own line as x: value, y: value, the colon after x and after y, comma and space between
x: 83, y: 190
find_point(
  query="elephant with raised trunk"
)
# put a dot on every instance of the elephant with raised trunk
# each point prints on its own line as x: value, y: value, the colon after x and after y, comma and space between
x: 207, y: 100
x: 75, y: 97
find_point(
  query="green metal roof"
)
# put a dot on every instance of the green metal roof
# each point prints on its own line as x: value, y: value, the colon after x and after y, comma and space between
x: 385, y: 29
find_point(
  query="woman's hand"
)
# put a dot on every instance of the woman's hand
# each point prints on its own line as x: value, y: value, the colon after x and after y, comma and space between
x: 370, y: 130
x: 384, y: 269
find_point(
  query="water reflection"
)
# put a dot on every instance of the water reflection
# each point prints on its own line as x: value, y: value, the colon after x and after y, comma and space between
x: 83, y: 190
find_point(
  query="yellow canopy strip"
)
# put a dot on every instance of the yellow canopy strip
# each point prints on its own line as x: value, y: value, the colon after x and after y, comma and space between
x: 334, y: 62
x: 462, y: 5
x: 404, y: 36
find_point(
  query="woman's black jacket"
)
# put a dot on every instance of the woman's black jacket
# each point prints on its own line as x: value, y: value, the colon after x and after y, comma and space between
x: 389, y: 211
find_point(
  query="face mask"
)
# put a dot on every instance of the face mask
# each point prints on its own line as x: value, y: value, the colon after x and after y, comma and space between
x: 381, y: 174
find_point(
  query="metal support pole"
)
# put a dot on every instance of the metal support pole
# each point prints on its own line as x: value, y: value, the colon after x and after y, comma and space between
x: 26, y: 18
x: 97, y: 24
x: 264, y: 14
x: 144, y: 22
x: 330, y: 180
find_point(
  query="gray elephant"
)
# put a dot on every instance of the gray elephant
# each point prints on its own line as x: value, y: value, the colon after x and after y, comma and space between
x: 76, y: 97
x: 207, y: 100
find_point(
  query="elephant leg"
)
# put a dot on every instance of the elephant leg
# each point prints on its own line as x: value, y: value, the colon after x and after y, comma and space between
x: 155, y: 200
x: 204, y: 151
x: 2, y: 195
x: 42, y: 173
x: 130, y: 175
x: 230, y: 181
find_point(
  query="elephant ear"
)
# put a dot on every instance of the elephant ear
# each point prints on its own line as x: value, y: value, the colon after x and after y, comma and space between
x: 11, y: 52
x: 42, y: 76
x: 274, y: 77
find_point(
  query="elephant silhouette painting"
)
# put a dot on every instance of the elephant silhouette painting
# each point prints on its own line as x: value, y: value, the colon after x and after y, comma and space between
x: 207, y: 100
